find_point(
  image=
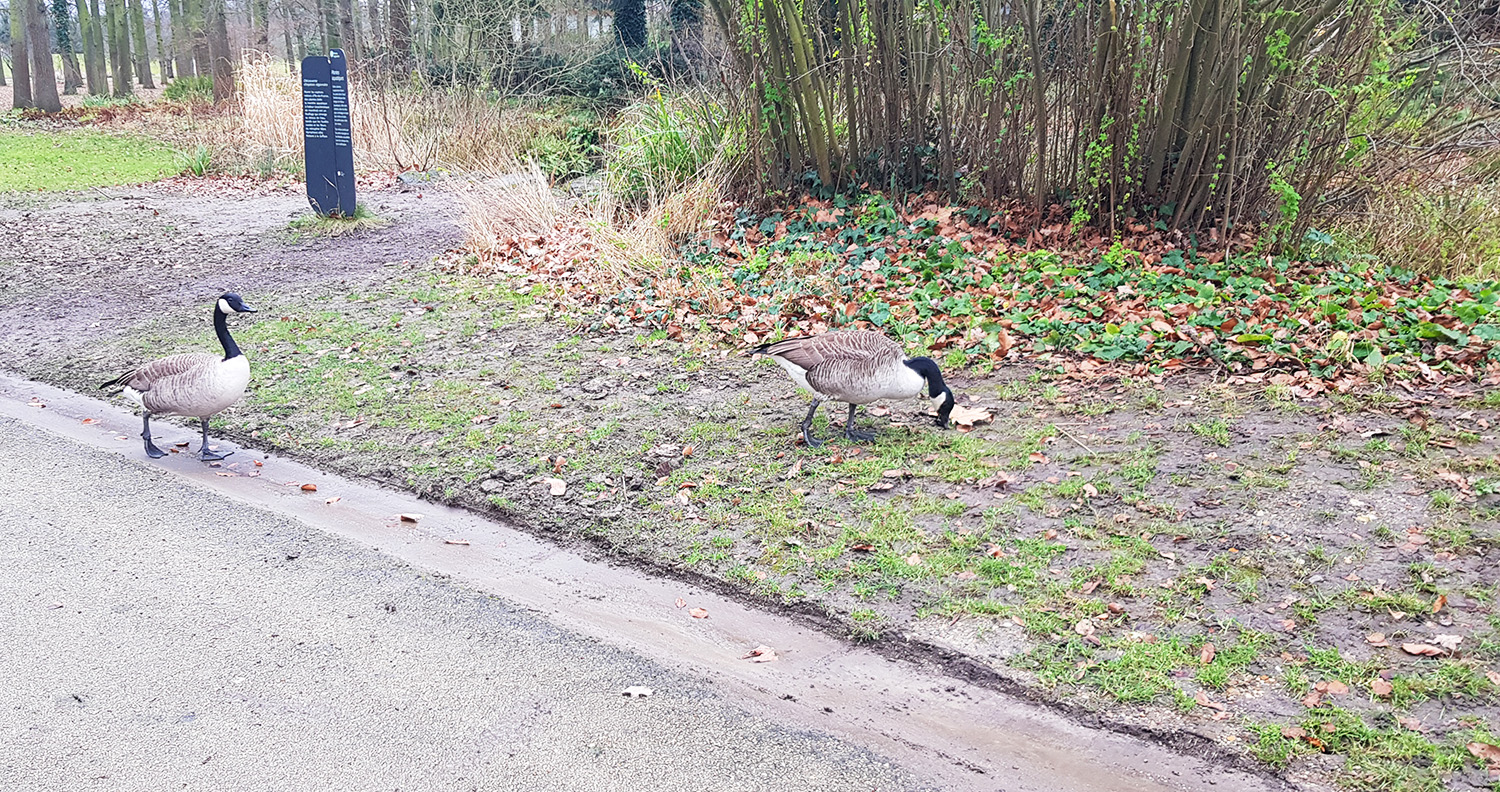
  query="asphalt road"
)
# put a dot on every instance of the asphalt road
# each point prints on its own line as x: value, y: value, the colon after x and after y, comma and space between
x: 156, y: 635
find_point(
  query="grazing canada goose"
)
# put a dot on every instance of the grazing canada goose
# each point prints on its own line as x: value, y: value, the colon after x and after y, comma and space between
x: 193, y: 385
x: 857, y: 367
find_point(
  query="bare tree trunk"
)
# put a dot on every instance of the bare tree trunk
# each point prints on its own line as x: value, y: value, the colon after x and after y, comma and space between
x: 61, y: 28
x: 375, y: 40
x: 260, y: 25
x: 197, y: 30
x: 138, y: 41
x: 43, y: 74
x: 292, y: 56
x: 1031, y: 11
x: 358, y: 32
x: 218, y: 45
x: 332, y: 32
x: 163, y: 49
x: 20, y: 70
x: 400, y: 24
x: 182, y: 40
x: 93, y: 49
x: 2, y: 73
x: 119, y: 46
x: 302, y: 47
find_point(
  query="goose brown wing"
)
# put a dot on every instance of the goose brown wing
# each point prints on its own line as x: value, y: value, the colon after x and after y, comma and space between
x: 855, y: 364
x: 164, y: 372
x: 809, y: 352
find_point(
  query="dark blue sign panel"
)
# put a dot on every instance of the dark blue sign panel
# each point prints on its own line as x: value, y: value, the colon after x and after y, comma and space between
x: 326, y: 134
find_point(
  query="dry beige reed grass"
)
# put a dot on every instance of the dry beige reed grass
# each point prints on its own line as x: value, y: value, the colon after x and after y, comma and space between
x: 1439, y: 218
x: 512, y: 214
x: 392, y: 127
x: 507, y: 201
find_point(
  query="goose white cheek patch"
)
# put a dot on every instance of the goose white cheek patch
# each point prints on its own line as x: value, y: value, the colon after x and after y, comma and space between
x: 224, y: 306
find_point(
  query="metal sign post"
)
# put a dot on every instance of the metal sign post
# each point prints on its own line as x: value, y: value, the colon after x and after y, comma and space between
x: 327, y: 137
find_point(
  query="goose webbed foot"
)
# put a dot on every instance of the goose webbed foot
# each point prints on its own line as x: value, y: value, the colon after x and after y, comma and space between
x: 853, y: 434
x: 806, y: 425
x: 151, y: 449
x: 204, y: 453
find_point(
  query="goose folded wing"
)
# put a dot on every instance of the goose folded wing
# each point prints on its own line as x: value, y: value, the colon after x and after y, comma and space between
x: 810, y: 352
x: 164, y: 370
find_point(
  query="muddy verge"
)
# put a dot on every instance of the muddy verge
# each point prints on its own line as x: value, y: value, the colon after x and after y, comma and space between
x: 1276, y: 582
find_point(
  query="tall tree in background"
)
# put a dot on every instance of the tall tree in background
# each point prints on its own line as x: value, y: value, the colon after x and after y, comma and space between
x: 139, y: 48
x: 329, y: 11
x: 118, y: 31
x: 292, y: 55
x: 62, y: 20
x: 43, y: 74
x: 347, y: 38
x: 163, y: 54
x: 260, y: 25
x: 374, y: 42
x: 2, y: 72
x: 400, y: 24
x: 218, y: 47
x: 93, y: 49
x: 182, y: 49
x: 197, y: 27
x: 20, y: 70
x: 630, y: 22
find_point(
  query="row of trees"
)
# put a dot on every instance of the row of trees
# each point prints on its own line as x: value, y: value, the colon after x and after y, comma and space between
x: 112, y: 37
x: 475, y: 41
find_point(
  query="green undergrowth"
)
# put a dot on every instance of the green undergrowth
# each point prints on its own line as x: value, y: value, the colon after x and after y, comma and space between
x: 963, y: 282
x: 78, y: 159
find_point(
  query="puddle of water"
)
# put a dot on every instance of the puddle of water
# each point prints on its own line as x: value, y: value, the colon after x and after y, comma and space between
x: 960, y: 735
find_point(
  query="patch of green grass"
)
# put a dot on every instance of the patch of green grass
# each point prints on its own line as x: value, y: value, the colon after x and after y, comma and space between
x: 77, y: 159
x: 865, y: 625
x: 1450, y: 679
x: 317, y: 225
x: 1215, y: 431
x: 1389, y: 759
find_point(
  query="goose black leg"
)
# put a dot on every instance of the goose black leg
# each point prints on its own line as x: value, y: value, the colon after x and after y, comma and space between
x: 812, y: 442
x: 205, y: 454
x: 849, y: 431
x: 151, y: 449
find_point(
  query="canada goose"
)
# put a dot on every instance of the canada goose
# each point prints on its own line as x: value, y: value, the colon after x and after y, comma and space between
x: 193, y: 385
x: 857, y: 367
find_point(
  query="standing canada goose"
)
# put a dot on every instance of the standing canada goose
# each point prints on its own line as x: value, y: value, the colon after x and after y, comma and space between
x: 193, y: 385
x: 857, y: 367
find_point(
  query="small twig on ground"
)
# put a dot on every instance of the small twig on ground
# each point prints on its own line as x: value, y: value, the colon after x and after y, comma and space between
x: 1074, y: 439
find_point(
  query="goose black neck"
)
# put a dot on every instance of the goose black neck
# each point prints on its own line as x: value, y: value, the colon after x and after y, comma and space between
x: 221, y: 328
x: 929, y: 370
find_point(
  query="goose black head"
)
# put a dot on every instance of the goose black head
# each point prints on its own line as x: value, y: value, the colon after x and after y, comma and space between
x: 231, y: 303
x: 938, y: 391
